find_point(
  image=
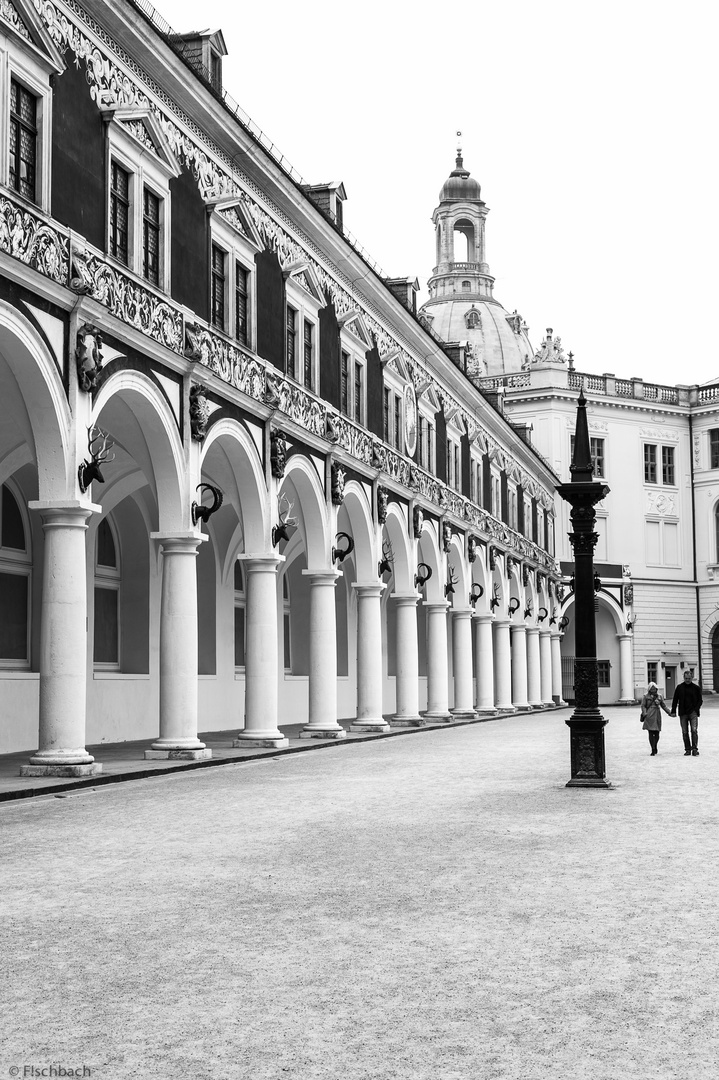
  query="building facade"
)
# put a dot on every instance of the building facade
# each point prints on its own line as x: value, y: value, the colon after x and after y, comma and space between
x: 239, y: 490
x: 657, y: 447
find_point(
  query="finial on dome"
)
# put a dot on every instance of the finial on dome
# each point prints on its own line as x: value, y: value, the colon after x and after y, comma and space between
x: 459, y: 164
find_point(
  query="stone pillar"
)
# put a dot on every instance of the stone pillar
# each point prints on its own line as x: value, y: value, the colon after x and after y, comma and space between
x: 626, y: 670
x: 557, y: 668
x: 407, y: 679
x: 178, y: 651
x: 369, y: 658
x: 502, y: 666
x: 437, y: 670
x: 534, y: 680
x: 63, y: 645
x: 462, y: 664
x: 261, y: 653
x: 322, y: 630
x: 545, y: 666
x: 519, y: 666
x: 484, y: 664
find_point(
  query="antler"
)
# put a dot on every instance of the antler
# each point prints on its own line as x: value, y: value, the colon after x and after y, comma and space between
x: 97, y: 434
x: 494, y: 602
x: 387, y: 561
x: 451, y: 582
x: 286, y: 520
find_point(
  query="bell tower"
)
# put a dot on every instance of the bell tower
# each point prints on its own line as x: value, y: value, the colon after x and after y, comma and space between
x: 461, y: 270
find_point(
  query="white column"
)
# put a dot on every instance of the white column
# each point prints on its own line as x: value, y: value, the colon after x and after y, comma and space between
x: 261, y: 653
x: 322, y: 631
x: 437, y: 668
x: 407, y: 679
x: 63, y: 646
x: 534, y: 678
x: 557, y: 668
x: 178, y: 651
x: 462, y: 664
x: 502, y: 666
x: 484, y: 664
x: 519, y: 666
x: 545, y: 666
x: 369, y: 658
x: 626, y: 670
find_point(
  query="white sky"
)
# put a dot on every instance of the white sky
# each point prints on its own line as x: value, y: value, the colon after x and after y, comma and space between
x: 592, y: 129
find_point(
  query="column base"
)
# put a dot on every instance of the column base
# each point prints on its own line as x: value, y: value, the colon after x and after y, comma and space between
x: 486, y: 712
x: 558, y: 701
x: 369, y: 723
x: 464, y: 714
x: 438, y: 717
x: 537, y: 705
x: 89, y: 769
x: 275, y: 740
x: 320, y: 733
x: 178, y: 755
x: 589, y: 783
x: 627, y: 701
x: 506, y: 708
x: 407, y: 721
x: 522, y: 708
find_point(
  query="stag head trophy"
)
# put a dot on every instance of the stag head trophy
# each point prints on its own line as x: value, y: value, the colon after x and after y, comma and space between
x: 451, y: 582
x: 204, y: 513
x: 475, y: 593
x: 387, y: 561
x: 287, y: 524
x: 424, y: 573
x: 542, y: 614
x: 494, y: 602
x: 528, y: 610
x: 99, y: 444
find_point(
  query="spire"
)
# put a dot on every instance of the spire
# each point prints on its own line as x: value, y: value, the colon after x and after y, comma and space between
x: 581, y: 468
x: 459, y: 169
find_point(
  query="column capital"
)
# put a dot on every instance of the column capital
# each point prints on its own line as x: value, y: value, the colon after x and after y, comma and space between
x: 518, y: 628
x: 436, y: 605
x: 483, y: 616
x: 179, y: 543
x: 532, y: 629
x: 367, y: 588
x: 405, y: 599
x: 544, y: 633
x: 264, y: 561
x: 322, y: 577
x: 462, y: 613
x: 624, y: 636
x: 68, y: 513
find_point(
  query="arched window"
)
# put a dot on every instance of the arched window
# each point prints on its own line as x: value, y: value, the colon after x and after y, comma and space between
x: 472, y: 319
x: 15, y: 574
x: 106, y: 632
x: 463, y: 241
x: 466, y: 286
x: 239, y: 616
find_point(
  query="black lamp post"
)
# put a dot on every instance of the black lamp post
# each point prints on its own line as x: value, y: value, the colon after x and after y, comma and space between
x: 586, y: 724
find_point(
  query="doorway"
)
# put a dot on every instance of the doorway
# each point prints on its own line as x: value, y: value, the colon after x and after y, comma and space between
x: 670, y: 680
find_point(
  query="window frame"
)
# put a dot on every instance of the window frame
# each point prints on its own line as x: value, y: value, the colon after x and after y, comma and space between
x: 713, y: 446
x: 239, y: 252
x: 148, y: 172
x: 660, y: 462
x: 24, y: 63
x: 239, y: 603
x: 355, y: 349
x: 20, y: 563
x: 426, y: 436
x: 110, y: 579
x: 307, y: 308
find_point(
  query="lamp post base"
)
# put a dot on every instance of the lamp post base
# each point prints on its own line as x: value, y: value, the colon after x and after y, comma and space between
x: 586, y: 742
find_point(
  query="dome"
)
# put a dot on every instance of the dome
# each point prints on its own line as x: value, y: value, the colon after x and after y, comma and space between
x: 460, y: 187
x: 499, y: 340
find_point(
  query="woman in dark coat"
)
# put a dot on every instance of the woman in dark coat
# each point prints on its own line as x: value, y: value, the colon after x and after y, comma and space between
x: 652, y: 705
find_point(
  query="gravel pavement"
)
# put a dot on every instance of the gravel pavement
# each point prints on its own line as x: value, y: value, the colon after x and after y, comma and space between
x: 436, y: 907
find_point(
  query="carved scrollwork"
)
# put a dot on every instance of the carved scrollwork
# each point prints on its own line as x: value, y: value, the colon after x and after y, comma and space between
x: 28, y: 238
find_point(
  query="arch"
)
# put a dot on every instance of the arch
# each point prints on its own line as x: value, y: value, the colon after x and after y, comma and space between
x: 714, y: 639
x: 156, y: 448
x: 231, y: 461
x: 302, y: 481
x: 463, y: 241
x: 395, y: 530
x: 429, y: 553
x: 34, y: 398
x: 358, y: 514
x: 607, y: 601
x: 456, y: 559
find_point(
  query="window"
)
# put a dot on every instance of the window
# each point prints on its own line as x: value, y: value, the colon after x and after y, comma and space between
x: 239, y: 616
x: 650, y: 464
x: 386, y: 406
x: 23, y: 140
x: 603, y: 668
x: 475, y: 480
x: 241, y: 294
x: 512, y: 499
x: 344, y: 382
x: 596, y: 450
x: 308, y: 352
x: 291, y: 340
x: 668, y: 466
x: 119, y: 212
x: 151, y: 237
x: 397, y: 422
x: 352, y: 390
x: 106, y: 612
x: 286, y: 627
x: 497, y: 495
x: 140, y: 167
x: 652, y: 671
x: 358, y: 394
x: 454, y: 470
x: 15, y: 578
x: 466, y: 286
x: 714, y: 448
x: 218, y: 287
x: 426, y: 443
x: 661, y: 540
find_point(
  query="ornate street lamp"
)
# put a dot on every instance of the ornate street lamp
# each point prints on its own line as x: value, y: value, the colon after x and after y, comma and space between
x: 586, y: 724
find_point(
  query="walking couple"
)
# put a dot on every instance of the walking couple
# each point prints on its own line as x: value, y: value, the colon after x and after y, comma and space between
x: 687, y: 700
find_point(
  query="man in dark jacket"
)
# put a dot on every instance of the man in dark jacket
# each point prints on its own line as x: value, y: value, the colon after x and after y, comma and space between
x: 688, y: 700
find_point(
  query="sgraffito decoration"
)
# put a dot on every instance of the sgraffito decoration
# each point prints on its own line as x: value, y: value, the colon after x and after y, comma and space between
x: 27, y: 237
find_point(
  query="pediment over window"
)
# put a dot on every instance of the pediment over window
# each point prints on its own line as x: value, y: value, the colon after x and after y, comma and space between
x: 357, y: 327
x: 232, y: 210
x: 304, y: 275
x: 21, y: 19
x: 145, y: 132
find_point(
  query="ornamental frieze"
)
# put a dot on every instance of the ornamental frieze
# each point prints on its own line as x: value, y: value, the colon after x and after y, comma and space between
x: 27, y: 237
x: 10, y: 14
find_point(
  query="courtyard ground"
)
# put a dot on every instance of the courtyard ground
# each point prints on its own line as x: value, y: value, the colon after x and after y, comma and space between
x: 431, y: 907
